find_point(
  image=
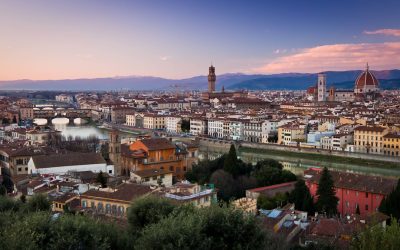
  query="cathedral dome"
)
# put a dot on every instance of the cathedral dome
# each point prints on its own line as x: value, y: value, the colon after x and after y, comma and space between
x: 366, y: 80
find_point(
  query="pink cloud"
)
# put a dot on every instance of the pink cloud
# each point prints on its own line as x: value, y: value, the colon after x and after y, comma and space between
x: 337, y: 57
x: 386, y: 32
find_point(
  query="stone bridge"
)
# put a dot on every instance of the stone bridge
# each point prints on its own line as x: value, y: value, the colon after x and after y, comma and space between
x: 71, y: 114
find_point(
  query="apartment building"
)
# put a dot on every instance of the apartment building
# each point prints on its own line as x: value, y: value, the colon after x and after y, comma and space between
x: 291, y: 134
x: 198, y: 126
x: 391, y: 144
x: 369, y: 139
x: 154, y: 121
x: 173, y: 124
x: 253, y: 131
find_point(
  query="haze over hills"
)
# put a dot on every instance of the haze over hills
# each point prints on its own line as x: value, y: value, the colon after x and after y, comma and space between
x: 389, y: 79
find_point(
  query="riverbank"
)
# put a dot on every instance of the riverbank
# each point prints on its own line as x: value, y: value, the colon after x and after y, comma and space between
x: 321, y: 157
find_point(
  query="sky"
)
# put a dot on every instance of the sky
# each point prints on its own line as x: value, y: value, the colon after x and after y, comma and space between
x: 69, y: 39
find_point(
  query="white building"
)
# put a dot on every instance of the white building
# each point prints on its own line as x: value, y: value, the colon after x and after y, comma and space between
x: 64, y: 98
x: 236, y: 128
x: 173, y: 124
x: 216, y: 128
x: 341, y: 141
x: 198, y: 126
x: 269, y: 128
x: 153, y: 177
x: 253, y: 131
x: 63, y: 163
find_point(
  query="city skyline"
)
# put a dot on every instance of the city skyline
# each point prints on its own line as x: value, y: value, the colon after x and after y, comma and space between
x: 175, y: 39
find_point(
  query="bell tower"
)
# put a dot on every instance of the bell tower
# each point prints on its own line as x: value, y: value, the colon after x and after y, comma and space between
x: 321, y: 87
x: 211, y: 79
x: 114, y: 150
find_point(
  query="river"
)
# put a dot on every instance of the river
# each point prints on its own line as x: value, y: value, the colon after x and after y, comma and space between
x: 298, y: 165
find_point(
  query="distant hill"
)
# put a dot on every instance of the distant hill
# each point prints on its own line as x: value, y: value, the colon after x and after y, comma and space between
x: 389, y: 79
x: 291, y: 81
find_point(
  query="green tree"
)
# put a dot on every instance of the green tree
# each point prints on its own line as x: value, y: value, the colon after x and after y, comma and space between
x: 326, y: 195
x: 101, y: 179
x: 38, y: 202
x: 22, y: 198
x: 3, y: 190
x: 376, y: 237
x: 302, y: 198
x: 225, y: 184
x: 391, y: 204
x: 8, y: 183
x: 205, y: 228
x: 231, y: 162
x: 270, y: 172
x: 185, y: 125
x: 148, y: 210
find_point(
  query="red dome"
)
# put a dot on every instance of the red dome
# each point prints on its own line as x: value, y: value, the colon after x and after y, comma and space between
x: 366, y: 79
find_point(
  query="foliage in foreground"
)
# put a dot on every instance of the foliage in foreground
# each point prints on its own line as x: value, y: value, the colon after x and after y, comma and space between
x: 153, y: 224
x: 377, y: 238
x: 232, y: 177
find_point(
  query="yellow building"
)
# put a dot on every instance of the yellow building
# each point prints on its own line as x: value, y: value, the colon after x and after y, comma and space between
x: 153, y: 121
x: 291, y: 134
x: 113, y: 202
x: 59, y: 204
x: 369, y: 139
x: 391, y: 144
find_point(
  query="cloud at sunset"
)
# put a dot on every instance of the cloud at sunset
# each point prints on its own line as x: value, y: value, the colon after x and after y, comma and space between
x: 336, y: 57
x: 386, y: 32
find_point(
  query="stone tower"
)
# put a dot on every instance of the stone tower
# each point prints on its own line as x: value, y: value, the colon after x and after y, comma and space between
x: 211, y: 79
x: 114, y: 150
x: 321, y: 87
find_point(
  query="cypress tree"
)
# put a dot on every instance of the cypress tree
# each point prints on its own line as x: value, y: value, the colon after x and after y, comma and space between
x: 391, y: 204
x: 302, y: 198
x: 231, y: 162
x: 327, y: 201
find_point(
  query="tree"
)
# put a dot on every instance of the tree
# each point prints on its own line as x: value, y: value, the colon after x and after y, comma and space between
x: 270, y: 172
x: 101, y: 179
x: 302, y: 198
x: 225, y: 184
x: 205, y: 228
x: 326, y: 195
x: 377, y: 237
x: 148, y: 210
x: 231, y: 162
x: 22, y: 198
x: 391, y: 204
x: 3, y: 190
x: 8, y: 183
x: 185, y: 125
x: 38, y: 202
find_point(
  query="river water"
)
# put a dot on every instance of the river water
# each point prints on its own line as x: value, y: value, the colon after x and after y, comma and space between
x: 298, y: 165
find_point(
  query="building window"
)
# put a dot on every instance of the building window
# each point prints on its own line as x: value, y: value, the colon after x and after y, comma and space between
x: 171, y: 168
x: 83, y: 203
x: 366, y: 207
x: 366, y: 195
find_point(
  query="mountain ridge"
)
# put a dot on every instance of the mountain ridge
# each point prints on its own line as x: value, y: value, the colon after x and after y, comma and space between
x: 231, y: 81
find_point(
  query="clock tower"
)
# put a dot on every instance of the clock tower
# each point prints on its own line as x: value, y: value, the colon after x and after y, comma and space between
x: 211, y: 79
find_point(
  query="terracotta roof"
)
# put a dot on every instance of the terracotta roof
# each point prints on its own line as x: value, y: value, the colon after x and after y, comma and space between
x: 124, y: 192
x: 152, y: 172
x: 366, y: 78
x: 71, y: 159
x: 370, y: 128
x: 365, y: 183
x: 158, y: 144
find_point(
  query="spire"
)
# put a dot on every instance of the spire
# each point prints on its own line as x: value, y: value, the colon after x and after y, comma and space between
x: 367, y: 66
